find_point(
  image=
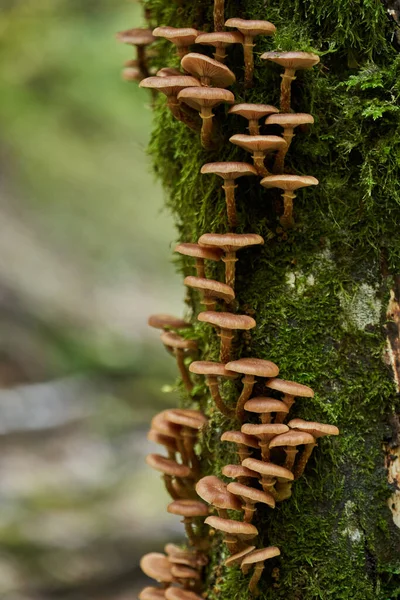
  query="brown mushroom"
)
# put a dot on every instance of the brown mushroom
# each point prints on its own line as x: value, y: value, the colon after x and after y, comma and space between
x: 140, y: 38
x: 250, y: 29
x: 243, y: 442
x: 200, y: 253
x: 317, y: 430
x: 162, y: 321
x: 211, y: 290
x: 157, y: 566
x: 236, y: 559
x: 213, y: 370
x: 265, y: 433
x: 208, y: 70
x: 186, y: 576
x: 180, y: 556
x: 214, y: 491
x: 175, y: 593
x: 253, y: 113
x: 290, y: 441
x: 152, y: 593
x: 289, y: 184
x: 270, y: 474
x: 220, y: 40
x: 161, y: 424
x: 171, y: 470
x: 257, y: 558
x: 289, y: 122
x: 189, y: 510
x: 132, y: 74
x: 250, y: 496
x: 265, y: 407
x: 290, y: 390
x: 234, y: 531
x: 179, y: 346
x: 168, y: 72
x: 164, y: 440
x: 242, y: 474
x: 259, y: 146
x: 181, y: 38
x: 226, y: 323
x: 191, y: 421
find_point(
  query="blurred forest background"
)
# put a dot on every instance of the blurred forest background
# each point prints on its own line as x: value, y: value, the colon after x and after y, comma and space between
x: 85, y: 257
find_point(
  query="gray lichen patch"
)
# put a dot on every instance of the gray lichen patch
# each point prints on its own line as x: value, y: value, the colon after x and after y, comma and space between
x: 361, y: 309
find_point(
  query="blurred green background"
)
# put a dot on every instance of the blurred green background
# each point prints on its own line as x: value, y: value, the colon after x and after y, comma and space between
x: 85, y: 257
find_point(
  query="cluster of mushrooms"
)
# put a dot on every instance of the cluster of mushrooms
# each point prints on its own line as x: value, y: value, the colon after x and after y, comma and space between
x: 272, y: 449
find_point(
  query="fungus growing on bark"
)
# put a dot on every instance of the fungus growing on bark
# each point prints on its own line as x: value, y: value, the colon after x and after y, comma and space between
x: 236, y: 559
x: 157, y: 566
x: 200, y: 253
x: 289, y: 122
x: 265, y: 433
x: 291, y: 62
x: 253, y: 113
x: 290, y: 390
x: 250, y: 497
x: 171, y: 471
x: 229, y: 171
x: 204, y: 99
x: 213, y: 370
x: 181, y: 38
x: 179, y: 346
x: 164, y: 440
x: 226, y: 323
x: 243, y: 442
x: 270, y: 474
x: 220, y: 40
x: 259, y: 146
x: 289, y: 442
x: 162, y: 321
x: 317, y: 430
x: 289, y: 184
x: 234, y: 531
x: 230, y: 243
x: 257, y: 558
x: 189, y: 510
x: 211, y: 290
x: 152, y: 593
x: 250, y: 29
x: 265, y: 407
x: 191, y: 422
x: 214, y: 491
x: 176, y: 593
x: 208, y: 70
x: 140, y: 38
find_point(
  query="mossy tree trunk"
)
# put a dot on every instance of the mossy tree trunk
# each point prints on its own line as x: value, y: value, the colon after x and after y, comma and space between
x: 320, y: 297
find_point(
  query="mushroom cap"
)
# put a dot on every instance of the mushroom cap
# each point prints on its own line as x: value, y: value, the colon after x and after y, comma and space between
x: 254, y: 366
x: 168, y: 72
x: 316, y: 429
x: 208, y: 367
x: 226, y: 320
x: 260, y: 430
x: 179, y: 571
x: 132, y: 74
x: 173, y: 340
x: 179, y: 36
x: 194, y: 419
x: 241, y: 530
x: 290, y: 387
x: 236, y: 471
x: 252, y: 111
x: 205, y: 97
x: 156, y: 566
x: 167, y: 466
x: 262, y: 405
x: 214, y: 491
x: 228, y: 170
x: 258, y: 143
x: 211, y: 287
x: 236, y: 559
x: 200, y: 66
x: 181, y: 556
x: 237, y: 437
x: 176, y: 593
x: 267, y: 468
x: 289, y: 119
x: 251, y: 494
x: 260, y: 555
x: 188, y: 508
x: 162, y: 321
x: 152, y: 593
x: 170, y: 86
x: 220, y: 39
x: 161, y: 423
x: 292, y: 60
x: 231, y: 242
x: 251, y: 27
x: 292, y: 438
x: 136, y: 37
x: 199, y: 251
x: 288, y: 182
x: 165, y: 440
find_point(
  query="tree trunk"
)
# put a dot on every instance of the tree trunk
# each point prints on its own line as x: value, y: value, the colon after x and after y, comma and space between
x: 324, y: 294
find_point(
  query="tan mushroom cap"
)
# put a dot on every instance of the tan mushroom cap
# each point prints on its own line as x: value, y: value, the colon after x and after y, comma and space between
x: 194, y: 419
x: 262, y: 405
x: 252, y: 27
x: 258, y: 143
x: 208, y: 367
x: 228, y: 170
x: 200, y: 65
x: 156, y: 566
x: 152, y: 593
x: 170, y: 86
x: 236, y: 559
x: 241, y: 530
x: 179, y: 36
x: 267, y: 468
x: 290, y: 387
x: 165, y: 440
x: 205, y: 97
x: 251, y: 494
x: 168, y: 72
x: 264, y: 429
x: 188, y: 508
x: 176, y: 552
x: 220, y: 39
x: 161, y: 423
x: 199, y: 251
x: 236, y: 471
x: 288, y: 182
x: 316, y: 429
x: 173, y: 340
x: 132, y: 74
x: 162, y: 321
x: 176, y: 593
x: 289, y: 119
x: 254, y: 366
x: 261, y: 555
x: 292, y: 438
x: 252, y: 111
x: 214, y: 491
x: 231, y: 242
x: 226, y: 320
x: 214, y: 288
x: 136, y: 37
x: 292, y: 60
x: 184, y: 572
x: 167, y: 466
x: 237, y: 437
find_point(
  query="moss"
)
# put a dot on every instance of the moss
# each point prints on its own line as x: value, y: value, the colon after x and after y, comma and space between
x: 320, y: 295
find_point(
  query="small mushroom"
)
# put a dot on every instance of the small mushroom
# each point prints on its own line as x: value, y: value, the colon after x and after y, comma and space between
x: 253, y: 113
x: 259, y: 146
x: 290, y: 441
x: 208, y: 70
x: 289, y: 184
x: 164, y: 440
x: 213, y: 370
x: 175, y: 593
x: 157, y: 566
x: 230, y: 243
x: 242, y: 474
x: 161, y: 424
x: 162, y: 321
x: 250, y: 29
x: 140, y: 38
x: 289, y: 122
x: 229, y: 171
x: 212, y: 290
x: 168, y: 72
x: 265, y: 433
x: 186, y: 576
x: 214, y: 491
x: 220, y: 40
x: 234, y: 531
x: 243, y: 442
x: 171, y: 470
x: 270, y: 474
x: 132, y: 74
x: 292, y: 62
x: 265, y: 407
x: 189, y: 510
x: 181, y: 38
x: 191, y: 421
x: 257, y: 558
x: 317, y: 430
x: 226, y: 323
x: 236, y: 559
x: 179, y: 346
x: 152, y: 593
x: 200, y: 253
x: 250, y: 496
x: 290, y: 390
x: 180, y: 556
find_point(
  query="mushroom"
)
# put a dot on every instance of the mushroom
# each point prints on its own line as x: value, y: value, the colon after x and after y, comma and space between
x: 191, y: 421
x: 250, y: 29
x: 259, y: 146
x: 152, y: 593
x: 200, y: 253
x: 168, y: 72
x: 171, y: 470
x: 219, y: 14
x: 253, y: 113
x: 289, y: 441
x: 189, y: 510
x: 180, y: 556
x: 229, y: 171
x: 227, y: 323
x: 289, y: 122
x: 208, y: 70
x: 140, y: 38
x: 243, y: 442
x: 157, y: 566
x: 250, y: 368
x: 250, y: 496
x: 317, y: 430
x: 234, y: 531
x: 214, y: 491
x: 291, y: 61
x: 185, y: 575
x: 270, y: 474
x: 265, y: 433
x: 230, y: 243
x: 181, y: 38
x: 236, y: 559
x: 242, y: 474
x: 289, y: 184
x: 204, y: 99
x: 132, y: 74
x: 175, y: 593
x: 161, y: 424
x: 212, y: 290
x: 164, y: 440
x: 265, y: 407
x: 213, y: 370
x: 290, y: 390
x: 220, y: 40
x: 179, y: 346
x: 257, y: 558
x: 162, y: 321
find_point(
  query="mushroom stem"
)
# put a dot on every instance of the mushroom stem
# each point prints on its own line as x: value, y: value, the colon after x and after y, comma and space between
x: 200, y: 268
x: 226, y: 336
x: 232, y: 543
x: 230, y: 259
x: 249, y: 510
x: 229, y: 189
x: 243, y: 452
x: 254, y: 127
x: 180, y: 115
x: 248, y: 60
x: 208, y: 302
x: 279, y: 163
x: 213, y: 386
x: 219, y: 16
x: 286, y: 89
x: 220, y: 54
x: 188, y: 523
x: 289, y: 400
x: 207, y: 128
x: 170, y: 487
x: 268, y: 484
x: 303, y: 460
x: 248, y: 384
x: 258, y: 569
x: 142, y: 60
x: 258, y: 160
x: 182, y: 51
x: 291, y: 452
x: 286, y: 220
x: 188, y: 440
x: 223, y: 513
x: 265, y: 451
x: 180, y: 361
